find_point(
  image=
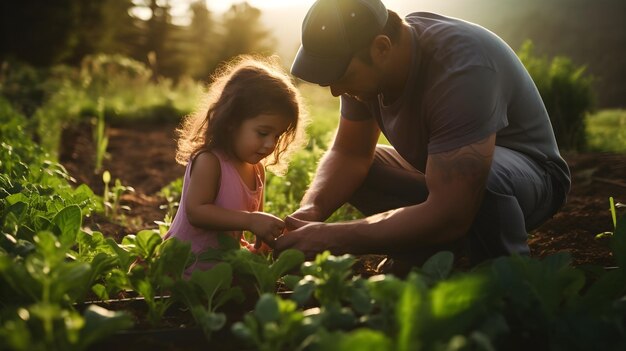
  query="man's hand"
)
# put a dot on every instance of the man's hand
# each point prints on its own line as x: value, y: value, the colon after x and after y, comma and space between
x: 304, y: 214
x: 309, y: 237
x: 292, y: 222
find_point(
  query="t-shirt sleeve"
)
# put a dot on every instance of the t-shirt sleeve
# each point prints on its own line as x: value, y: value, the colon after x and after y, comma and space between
x: 464, y: 108
x: 353, y: 109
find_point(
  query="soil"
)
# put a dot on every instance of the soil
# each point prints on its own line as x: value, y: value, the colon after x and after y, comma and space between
x: 142, y: 156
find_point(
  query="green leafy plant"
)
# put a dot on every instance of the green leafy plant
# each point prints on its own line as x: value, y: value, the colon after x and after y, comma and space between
x: 158, y: 266
x: 275, y: 324
x: 111, y: 197
x: 606, y: 130
x: 205, y: 292
x: 330, y: 281
x: 266, y: 274
x: 566, y: 92
x: 171, y: 193
x: 50, y: 327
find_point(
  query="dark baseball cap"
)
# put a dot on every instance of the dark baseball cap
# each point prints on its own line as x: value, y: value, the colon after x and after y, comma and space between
x: 332, y: 31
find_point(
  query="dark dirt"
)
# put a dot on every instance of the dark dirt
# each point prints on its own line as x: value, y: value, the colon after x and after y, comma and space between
x: 142, y: 156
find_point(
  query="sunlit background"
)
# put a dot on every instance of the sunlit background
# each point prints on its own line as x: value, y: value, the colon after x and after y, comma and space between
x: 191, y: 37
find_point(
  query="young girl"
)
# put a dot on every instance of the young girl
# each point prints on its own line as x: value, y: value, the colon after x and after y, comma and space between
x: 252, y: 117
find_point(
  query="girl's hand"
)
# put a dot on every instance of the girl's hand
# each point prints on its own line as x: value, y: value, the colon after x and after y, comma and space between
x: 264, y: 249
x: 266, y: 227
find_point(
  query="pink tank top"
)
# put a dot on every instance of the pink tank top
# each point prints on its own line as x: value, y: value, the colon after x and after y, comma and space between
x: 233, y: 194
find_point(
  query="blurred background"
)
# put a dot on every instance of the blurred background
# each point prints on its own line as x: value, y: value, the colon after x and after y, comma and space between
x: 64, y: 62
x: 190, y: 37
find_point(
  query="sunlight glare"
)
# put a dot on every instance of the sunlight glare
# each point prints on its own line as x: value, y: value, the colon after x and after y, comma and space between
x: 223, y: 5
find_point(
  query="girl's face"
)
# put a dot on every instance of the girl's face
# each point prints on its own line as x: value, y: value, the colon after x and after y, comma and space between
x: 256, y: 137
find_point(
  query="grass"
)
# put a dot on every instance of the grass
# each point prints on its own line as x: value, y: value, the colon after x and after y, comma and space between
x: 606, y: 131
x: 324, y: 113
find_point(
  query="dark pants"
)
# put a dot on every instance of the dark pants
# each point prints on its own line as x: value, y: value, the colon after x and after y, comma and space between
x: 519, y: 196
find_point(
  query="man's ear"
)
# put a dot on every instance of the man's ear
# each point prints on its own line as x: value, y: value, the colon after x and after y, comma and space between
x: 380, y: 48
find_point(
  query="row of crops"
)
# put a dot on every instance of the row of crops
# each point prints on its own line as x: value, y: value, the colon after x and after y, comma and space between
x: 55, y: 275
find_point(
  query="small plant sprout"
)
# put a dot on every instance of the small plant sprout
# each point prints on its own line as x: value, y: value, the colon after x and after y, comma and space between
x: 106, y: 178
x: 612, y: 207
x: 112, y: 196
x: 165, y: 224
x: 99, y: 136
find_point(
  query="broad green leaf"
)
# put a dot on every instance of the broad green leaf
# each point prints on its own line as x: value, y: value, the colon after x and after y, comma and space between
x: 101, y: 264
x: 147, y: 241
x: 173, y: 256
x: 49, y: 247
x: 360, y: 339
x: 291, y: 280
x: 266, y: 309
x: 234, y: 293
x: 70, y: 278
x: 339, y: 318
x: 439, y: 266
x: 45, y: 311
x: 101, y: 323
x: 604, y: 291
x: 360, y: 298
x: 455, y: 296
x: 69, y: 221
x: 16, y: 335
x: 288, y: 260
x: 216, y: 321
x: 339, y: 264
x: 41, y: 223
x: 303, y: 291
x: 241, y: 331
x: 214, y: 279
x: 266, y: 282
x: 16, y: 198
x: 411, y: 314
x: 100, y: 291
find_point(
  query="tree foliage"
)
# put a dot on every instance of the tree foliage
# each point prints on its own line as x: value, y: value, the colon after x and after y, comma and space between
x: 65, y: 31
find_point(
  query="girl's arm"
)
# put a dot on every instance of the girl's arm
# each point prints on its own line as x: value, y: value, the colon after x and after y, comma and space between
x: 259, y: 245
x: 202, y: 211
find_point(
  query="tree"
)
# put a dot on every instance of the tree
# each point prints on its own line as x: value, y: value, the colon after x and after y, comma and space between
x: 243, y: 32
x: 203, y: 52
x: 122, y: 32
x: 38, y: 32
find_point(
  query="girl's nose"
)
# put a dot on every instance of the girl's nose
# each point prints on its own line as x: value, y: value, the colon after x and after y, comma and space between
x: 270, y: 143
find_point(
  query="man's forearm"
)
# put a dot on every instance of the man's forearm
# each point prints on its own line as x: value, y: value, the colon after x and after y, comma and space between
x: 394, y: 231
x: 337, y: 178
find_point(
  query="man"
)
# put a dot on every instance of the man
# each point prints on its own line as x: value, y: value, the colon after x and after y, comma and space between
x: 474, y: 162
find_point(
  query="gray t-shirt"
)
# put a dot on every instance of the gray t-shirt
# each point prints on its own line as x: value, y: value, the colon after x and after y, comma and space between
x: 464, y: 84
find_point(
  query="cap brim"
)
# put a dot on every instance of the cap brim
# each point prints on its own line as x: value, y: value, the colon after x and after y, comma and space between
x: 322, y: 71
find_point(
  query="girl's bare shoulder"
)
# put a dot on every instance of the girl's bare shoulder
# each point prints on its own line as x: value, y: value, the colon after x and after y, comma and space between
x: 206, y: 162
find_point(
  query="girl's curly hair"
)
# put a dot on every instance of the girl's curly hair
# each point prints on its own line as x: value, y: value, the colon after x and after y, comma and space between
x: 244, y: 88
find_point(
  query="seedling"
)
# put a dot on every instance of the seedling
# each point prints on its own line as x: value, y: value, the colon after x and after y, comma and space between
x: 111, y: 197
x: 612, y: 207
x: 99, y: 136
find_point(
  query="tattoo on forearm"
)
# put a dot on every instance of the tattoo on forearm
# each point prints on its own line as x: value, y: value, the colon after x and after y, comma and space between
x: 467, y: 163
